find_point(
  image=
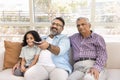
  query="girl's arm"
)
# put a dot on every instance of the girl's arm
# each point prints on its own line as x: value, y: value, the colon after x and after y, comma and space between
x: 16, y: 66
x: 23, y: 69
x: 34, y: 61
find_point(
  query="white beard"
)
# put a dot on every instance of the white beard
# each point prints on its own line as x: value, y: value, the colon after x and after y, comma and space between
x: 53, y: 33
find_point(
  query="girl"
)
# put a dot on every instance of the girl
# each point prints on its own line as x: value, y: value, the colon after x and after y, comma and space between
x: 29, y: 52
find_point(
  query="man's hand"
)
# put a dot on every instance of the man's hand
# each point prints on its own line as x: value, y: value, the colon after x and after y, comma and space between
x: 44, y: 45
x: 94, y: 72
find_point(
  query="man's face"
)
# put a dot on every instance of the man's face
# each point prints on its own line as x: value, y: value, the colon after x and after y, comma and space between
x: 56, y: 27
x: 83, y: 26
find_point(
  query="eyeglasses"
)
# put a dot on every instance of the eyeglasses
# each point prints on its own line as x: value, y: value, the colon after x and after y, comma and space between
x: 83, y: 24
x: 57, y: 24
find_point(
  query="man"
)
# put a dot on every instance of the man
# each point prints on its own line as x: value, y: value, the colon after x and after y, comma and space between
x: 89, y: 52
x: 53, y: 63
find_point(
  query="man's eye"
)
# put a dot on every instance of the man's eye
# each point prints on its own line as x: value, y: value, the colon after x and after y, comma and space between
x: 78, y: 25
x: 81, y: 25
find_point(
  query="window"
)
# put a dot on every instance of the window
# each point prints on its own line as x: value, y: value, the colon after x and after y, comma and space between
x: 107, y: 19
x: 14, y: 11
x: 14, y: 19
x: 70, y: 10
x: 19, y: 16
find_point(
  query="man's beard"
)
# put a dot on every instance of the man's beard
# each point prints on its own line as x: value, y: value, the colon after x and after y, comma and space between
x: 53, y: 31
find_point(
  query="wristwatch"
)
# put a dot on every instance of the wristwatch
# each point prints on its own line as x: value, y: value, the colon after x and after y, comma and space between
x: 49, y: 46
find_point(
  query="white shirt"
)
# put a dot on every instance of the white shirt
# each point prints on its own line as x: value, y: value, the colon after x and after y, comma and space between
x: 45, y: 56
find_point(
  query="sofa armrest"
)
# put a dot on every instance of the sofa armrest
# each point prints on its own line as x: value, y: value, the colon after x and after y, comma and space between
x: 1, y: 58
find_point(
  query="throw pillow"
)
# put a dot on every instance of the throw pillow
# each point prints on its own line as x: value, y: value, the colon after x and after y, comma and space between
x: 12, y: 52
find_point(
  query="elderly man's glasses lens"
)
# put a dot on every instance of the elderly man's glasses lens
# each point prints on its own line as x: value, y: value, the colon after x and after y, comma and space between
x: 57, y: 24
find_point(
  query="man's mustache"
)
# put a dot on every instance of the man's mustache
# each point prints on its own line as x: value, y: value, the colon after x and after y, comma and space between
x: 53, y: 28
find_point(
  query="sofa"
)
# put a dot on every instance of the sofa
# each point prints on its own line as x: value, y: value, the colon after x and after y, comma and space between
x: 112, y: 66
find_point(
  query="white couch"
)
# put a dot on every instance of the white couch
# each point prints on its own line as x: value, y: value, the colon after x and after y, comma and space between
x: 112, y: 66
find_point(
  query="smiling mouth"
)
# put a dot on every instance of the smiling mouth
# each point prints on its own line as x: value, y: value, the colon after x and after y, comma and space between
x: 54, y: 28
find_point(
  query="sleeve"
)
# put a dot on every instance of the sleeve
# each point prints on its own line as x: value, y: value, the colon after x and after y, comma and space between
x: 22, y: 55
x: 101, y: 54
x: 64, y: 45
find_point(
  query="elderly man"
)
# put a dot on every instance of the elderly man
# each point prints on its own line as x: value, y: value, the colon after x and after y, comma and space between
x: 89, y: 52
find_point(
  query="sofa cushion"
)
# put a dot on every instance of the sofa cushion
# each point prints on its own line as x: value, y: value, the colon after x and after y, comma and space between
x: 12, y: 52
x: 113, y: 74
x: 113, y: 50
x: 7, y: 75
x: 1, y: 57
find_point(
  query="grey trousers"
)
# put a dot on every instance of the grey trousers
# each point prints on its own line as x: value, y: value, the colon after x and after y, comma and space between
x: 80, y: 71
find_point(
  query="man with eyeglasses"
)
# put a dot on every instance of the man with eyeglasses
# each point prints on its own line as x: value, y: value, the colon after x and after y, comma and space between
x: 53, y: 63
x: 89, y: 53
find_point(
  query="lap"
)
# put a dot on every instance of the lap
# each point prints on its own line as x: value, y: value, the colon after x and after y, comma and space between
x: 18, y: 72
x: 80, y: 71
x: 37, y: 72
x: 102, y: 76
x: 58, y: 74
x: 76, y: 75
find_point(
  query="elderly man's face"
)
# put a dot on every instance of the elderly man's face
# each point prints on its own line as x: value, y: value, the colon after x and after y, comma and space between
x: 83, y: 26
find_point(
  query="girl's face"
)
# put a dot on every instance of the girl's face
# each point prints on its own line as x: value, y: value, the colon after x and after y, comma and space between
x: 30, y: 39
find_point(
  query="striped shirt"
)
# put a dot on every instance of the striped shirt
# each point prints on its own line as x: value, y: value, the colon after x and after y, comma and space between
x: 91, y: 47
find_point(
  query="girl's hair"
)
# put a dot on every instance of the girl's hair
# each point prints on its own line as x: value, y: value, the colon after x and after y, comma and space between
x: 35, y: 35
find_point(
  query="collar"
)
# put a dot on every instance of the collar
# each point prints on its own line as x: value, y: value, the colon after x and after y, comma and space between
x: 91, y: 35
x: 56, y: 36
x: 29, y: 47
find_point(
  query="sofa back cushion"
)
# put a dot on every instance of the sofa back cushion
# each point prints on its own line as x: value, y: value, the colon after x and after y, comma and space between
x: 113, y: 50
x: 12, y: 52
x: 1, y: 57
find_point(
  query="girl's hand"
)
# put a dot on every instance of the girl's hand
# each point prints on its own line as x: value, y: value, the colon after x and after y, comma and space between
x: 23, y: 69
x: 16, y: 66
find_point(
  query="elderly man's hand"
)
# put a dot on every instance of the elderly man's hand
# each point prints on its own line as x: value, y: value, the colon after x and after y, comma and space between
x: 95, y: 72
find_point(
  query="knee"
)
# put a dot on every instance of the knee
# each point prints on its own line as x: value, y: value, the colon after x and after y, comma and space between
x: 88, y: 77
x: 27, y: 75
x: 17, y: 72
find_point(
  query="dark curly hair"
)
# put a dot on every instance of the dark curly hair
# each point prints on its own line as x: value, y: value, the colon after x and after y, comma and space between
x: 35, y: 35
